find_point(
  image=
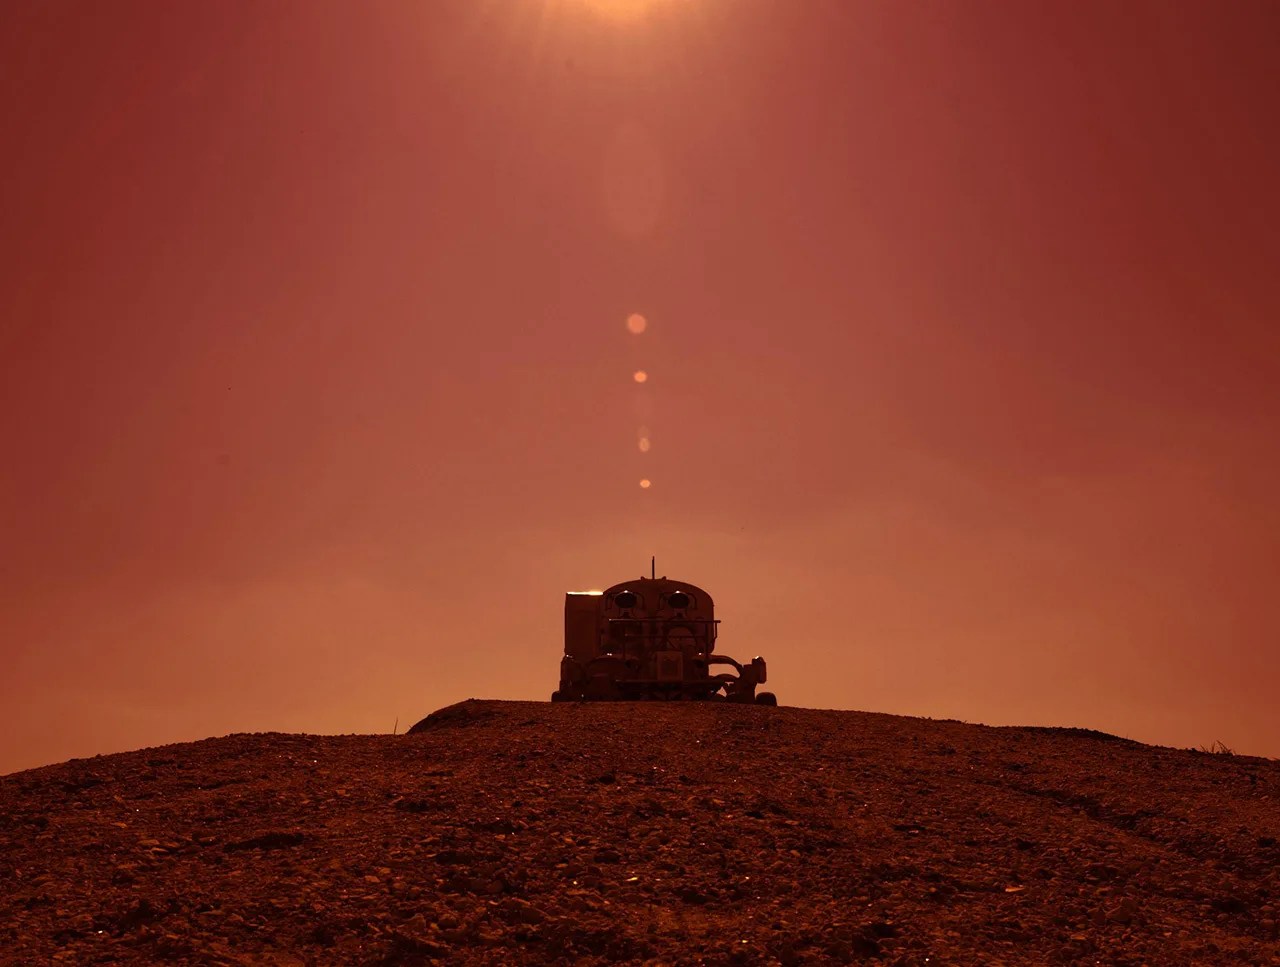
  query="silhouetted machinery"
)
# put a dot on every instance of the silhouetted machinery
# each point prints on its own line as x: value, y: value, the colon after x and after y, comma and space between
x: 651, y: 638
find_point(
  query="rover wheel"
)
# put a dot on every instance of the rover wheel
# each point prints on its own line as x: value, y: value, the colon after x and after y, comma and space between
x: 559, y: 696
x: 767, y: 698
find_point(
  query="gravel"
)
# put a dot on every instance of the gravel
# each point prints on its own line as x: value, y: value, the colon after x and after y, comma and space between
x: 656, y: 833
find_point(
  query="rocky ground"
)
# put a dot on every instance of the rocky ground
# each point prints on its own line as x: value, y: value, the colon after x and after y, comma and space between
x: 518, y: 832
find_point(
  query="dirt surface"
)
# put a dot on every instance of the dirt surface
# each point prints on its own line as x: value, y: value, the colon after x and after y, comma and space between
x: 518, y: 832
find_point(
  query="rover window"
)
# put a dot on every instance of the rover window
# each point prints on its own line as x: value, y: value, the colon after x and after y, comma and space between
x: 625, y: 599
x: 679, y: 600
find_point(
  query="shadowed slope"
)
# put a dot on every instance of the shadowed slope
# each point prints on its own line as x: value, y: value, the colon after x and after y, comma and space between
x: 518, y: 831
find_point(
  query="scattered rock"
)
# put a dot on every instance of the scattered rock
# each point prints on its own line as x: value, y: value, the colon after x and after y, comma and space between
x: 1124, y: 913
x: 527, y: 833
x: 267, y: 841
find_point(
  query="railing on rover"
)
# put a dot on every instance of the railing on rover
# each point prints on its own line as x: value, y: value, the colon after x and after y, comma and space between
x: 656, y: 634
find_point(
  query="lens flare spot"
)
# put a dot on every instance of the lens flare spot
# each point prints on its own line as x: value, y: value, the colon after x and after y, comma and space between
x: 645, y: 484
x: 640, y: 376
x: 636, y: 323
x: 644, y: 444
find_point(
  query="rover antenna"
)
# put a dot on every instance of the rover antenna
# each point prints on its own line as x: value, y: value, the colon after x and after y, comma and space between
x: 653, y: 567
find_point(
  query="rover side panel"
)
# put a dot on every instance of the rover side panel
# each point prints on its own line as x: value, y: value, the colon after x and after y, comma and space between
x: 582, y: 625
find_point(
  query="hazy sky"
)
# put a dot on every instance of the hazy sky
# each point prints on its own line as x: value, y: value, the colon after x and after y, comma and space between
x: 316, y: 388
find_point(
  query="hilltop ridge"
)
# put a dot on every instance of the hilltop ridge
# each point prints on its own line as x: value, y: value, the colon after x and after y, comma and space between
x: 501, y: 832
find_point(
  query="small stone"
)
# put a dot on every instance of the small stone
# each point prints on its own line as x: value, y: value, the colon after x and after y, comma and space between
x: 522, y: 910
x: 841, y: 950
x: 1228, y: 904
x: 1124, y: 912
x: 866, y: 946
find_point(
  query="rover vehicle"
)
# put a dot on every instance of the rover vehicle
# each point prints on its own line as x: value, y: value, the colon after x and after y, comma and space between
x: 650, y: 639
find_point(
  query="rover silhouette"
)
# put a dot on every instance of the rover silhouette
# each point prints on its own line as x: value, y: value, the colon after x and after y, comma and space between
x: 650, y: 639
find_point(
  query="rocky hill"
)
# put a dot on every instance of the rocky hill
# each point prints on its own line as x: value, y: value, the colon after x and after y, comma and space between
x: 518, y: 832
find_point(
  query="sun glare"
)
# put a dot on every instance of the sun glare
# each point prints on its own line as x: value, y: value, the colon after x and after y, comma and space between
x: 625, y: 10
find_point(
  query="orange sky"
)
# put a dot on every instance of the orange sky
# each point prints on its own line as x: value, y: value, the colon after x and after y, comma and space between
x: 316, y: 389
